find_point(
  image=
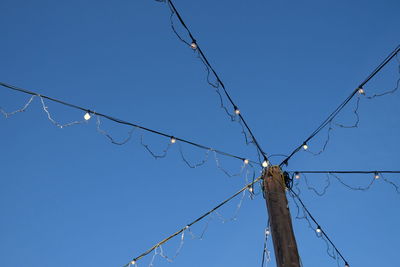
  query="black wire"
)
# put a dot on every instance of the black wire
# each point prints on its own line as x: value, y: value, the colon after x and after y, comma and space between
x: 217, y: 77
x: 343, y: 104
x: 344, y: 171
x: 315, y: 221
x: 12, y: 87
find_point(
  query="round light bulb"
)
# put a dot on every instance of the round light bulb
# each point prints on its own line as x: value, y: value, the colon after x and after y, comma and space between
x: 318, y: 230
x: 376, y: 175
x: 237, y: 111
x: 361, y: 91
x: 305, y: 146
x: 297, y: 175
x: 193, y: 45
x: 246, y: 161
x: 87, y: 116
x: 132, y: 262
x: 173, y: 140
x: 267, y: 232
x: 346, y: 264
x: 265, y: 164
x: 251, y: 189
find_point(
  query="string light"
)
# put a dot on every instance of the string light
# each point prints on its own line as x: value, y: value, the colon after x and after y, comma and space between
x: 87, y: 116
x: 332, y: 116
x: 305, y: 146
x: 132, y: 262
x: 237, y: 111
x: 297, y: 175
x: 173, y: 140
x: 346, y: 264
x: 319, y: 230
x: 246, y: 161
x: 361, y: 91
x: 265, y: 164
x: 376, y: 175
x: 193, y: 45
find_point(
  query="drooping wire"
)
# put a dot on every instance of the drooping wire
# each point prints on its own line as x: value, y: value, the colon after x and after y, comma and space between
x: 108, y: 117
x: 195, y: 46
x: 155, y: 155
x: 236, y: 212
x: 396, y: 187
x: 109, y: 136
x: 227, y: 173
x: 134, y: 260
x: 328, y: 138
x: 355, y: 111
x: 328, y: 183
x: 375, y: 175
x: 9, y: 114
x: 266, y: 255
x: 194, y: 165
x: 396, y: 86
x: 330, y: 118
x: 53, y: 121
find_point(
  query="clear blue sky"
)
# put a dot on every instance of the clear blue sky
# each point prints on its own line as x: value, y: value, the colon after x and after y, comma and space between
x: 68, y: 197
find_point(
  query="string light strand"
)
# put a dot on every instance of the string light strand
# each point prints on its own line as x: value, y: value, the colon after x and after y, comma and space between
x: 195, y: 46
x: 116, y: 120
x: 375, y: 175
x: 134, y: 261
x: 319, y: 229
x: 330, y: 118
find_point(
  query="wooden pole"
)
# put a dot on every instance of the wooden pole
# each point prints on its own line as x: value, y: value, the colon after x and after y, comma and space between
x: 285, y: 246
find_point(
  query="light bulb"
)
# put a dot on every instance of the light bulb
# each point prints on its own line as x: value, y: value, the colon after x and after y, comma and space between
x: 346, y: 264
x: 318, y: 230
x: 246, y: 161
x: 361, y: 91
x: 173, y: 140
x: 251, y: 189
x: 305, y: 146
x: 193, y: 45
x: 376, y: 175
x: 133, y: 262
x: 267, y: 232
x: 265, y: 164
x: 297, y: 175
x: 87, y: 116
x: 237, y: 111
